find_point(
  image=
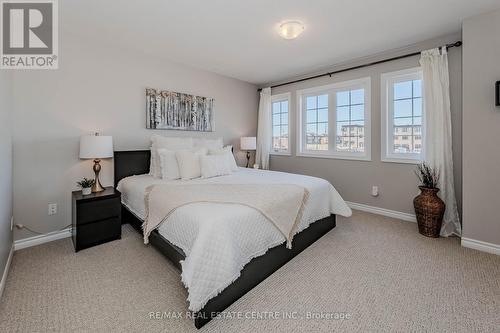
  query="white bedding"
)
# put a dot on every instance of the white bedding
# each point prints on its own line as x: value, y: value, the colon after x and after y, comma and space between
x: 220, y: 239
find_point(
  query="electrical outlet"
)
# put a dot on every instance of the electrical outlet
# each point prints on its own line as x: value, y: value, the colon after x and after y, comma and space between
x: 52, y: 209
x: 375, y: 191
x: 11, y: 223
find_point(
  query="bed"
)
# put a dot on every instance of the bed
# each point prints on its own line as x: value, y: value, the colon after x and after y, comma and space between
x: 188, y: 227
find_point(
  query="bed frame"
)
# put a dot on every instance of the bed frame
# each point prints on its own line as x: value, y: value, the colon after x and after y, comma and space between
x: 128, y: 163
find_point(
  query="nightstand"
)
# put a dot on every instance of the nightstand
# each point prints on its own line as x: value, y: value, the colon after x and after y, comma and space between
x: 96, y: 218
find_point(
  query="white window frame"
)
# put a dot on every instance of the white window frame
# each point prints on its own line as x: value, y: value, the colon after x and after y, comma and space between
x: 331, y: 90
x: 387, y: 131
x: 279, y: 98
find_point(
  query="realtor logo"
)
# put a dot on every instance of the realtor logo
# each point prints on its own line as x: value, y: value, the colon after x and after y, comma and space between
x: 29, y: 34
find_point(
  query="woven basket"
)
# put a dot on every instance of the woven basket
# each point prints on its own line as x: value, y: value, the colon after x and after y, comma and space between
x: 429, y: 209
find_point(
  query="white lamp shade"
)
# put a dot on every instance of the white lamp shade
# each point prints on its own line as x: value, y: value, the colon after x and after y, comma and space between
x: 96, y: 146
x: 248, y: 143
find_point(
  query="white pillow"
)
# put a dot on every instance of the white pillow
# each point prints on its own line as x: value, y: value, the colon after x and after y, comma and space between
x: 227, y: 152
x: 214, y: 165
x: 168, y: 164
x: 189, y: 162
x: 170, y: 143
x: 152, y: 162
x: 208, y: 143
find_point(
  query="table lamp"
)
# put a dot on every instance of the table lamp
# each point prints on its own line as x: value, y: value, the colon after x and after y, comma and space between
x: 96, y: 147
x: 248, y: 143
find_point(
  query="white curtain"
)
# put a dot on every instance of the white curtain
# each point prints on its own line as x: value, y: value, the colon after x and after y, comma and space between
x: 438, y: 148
x: 264, y: 129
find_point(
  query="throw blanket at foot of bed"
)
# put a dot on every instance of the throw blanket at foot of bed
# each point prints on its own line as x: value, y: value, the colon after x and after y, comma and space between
x: 281, y: 204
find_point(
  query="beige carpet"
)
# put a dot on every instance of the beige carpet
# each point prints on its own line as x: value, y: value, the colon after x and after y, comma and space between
x: 378, y: 271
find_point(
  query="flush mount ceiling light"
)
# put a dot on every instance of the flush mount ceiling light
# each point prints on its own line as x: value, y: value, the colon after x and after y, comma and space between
x: 291, y: 29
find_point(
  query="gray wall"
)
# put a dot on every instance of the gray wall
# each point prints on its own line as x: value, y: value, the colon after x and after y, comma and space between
x: 481, y: 128
x: 5, y: 168
x: 354, y: 179
x: 103, y: 91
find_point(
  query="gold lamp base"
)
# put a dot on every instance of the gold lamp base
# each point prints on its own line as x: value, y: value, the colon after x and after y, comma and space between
x: 97, y: 187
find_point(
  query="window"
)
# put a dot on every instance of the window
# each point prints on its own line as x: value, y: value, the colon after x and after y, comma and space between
x: 317, y: 122
x: 402, y: 115
x: 350, y: 119
x: 280, y: 124
x: 334, y: 120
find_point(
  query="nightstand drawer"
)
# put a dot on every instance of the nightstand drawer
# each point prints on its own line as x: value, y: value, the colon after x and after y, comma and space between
x: 98, y: 210
x: 98, y: 232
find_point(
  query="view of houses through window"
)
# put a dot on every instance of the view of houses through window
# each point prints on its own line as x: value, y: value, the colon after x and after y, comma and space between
x: 402, y: 116
x: 335, y: 119
x: 351, y: 120
x: 407, y: 117
x: 317, y: 122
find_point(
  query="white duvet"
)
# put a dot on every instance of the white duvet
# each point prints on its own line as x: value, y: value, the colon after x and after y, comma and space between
x: 220, y: 239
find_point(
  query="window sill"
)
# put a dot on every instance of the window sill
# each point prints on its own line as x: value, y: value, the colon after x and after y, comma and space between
x: 336, y: 157
x: 400, y: 160
x: 280, y: 153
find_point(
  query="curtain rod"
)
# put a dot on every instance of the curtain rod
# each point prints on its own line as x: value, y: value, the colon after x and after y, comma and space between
x: 456, y: 44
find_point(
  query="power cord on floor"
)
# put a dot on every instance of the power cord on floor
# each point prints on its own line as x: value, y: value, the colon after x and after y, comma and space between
x: 22, y: 226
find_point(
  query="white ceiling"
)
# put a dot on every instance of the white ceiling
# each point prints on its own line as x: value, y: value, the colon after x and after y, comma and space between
x: 238, y: 38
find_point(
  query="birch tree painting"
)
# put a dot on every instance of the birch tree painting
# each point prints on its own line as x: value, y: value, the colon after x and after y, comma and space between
x: 178, y: 111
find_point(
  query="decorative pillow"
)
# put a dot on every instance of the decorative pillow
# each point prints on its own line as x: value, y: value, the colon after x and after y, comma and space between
x: 170, y: 143
x: 152, y: 162
x: 189, y: 162
x: 214, y: 165
x: 208, y: 143
x: 227, y: 152
x: 168, y: 164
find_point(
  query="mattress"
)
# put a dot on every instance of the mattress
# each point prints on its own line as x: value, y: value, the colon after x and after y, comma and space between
x: 219, y: 239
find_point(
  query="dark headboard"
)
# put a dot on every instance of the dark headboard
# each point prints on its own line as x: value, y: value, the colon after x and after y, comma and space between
x: 129, y: 163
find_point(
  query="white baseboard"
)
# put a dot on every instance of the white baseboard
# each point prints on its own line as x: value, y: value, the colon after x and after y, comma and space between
x: 382, y: 211
x: 6, y: 271
x: 40, y: 239
x: 481, y: 246
x: 466, y: 242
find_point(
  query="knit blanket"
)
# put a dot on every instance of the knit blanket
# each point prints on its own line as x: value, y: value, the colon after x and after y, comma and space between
x: 281, y: 204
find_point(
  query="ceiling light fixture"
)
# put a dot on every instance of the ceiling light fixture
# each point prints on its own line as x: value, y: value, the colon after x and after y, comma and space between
x: 291, y: 29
